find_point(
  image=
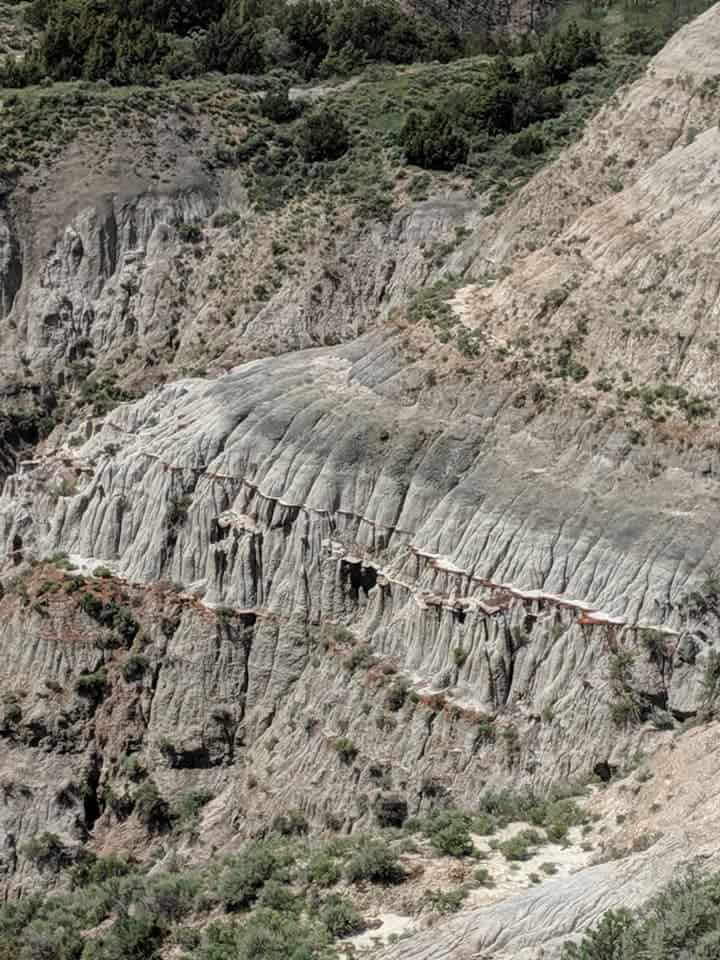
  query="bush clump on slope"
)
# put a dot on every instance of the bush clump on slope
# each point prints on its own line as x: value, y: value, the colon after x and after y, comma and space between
x: 684, y: 921
x: 268, y: 902
x: 507, y: 101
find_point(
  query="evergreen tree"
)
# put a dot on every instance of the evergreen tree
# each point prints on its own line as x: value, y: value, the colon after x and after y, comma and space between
x: 323, y: 135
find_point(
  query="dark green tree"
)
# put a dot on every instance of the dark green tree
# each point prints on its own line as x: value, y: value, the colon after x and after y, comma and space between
x: 323, y: 135
x: 435, y: 142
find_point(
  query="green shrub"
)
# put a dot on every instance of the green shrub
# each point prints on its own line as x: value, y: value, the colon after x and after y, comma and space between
x: 290, y: 824
x: 151, y: 807
x: 47, y: 850
x: 643, y: 41
x: 278, y: 896
x: 93, y: 686
x: 340, y: 916
x: 449, y: 832
x: 557, y: 816
x: 396, y: 695
x: 112, y: 616
x: 482, y: 876
x: 268, y: 935
x: 244, y: 877
x: 384, y: 31
x: 345, y: 749
x: 610, y: 940
x: 374, y: 862
x: 528, y: 143
x: 133, y: 937
x: 460, y: 655
x: 134, y: 668
x: 189, y: 233
x: 485, y: 730
x: 278, y: 107
x: 93, y: 870
x: 12, y: 714
x: 519, y: 847
x: 190, y: 804
x: 433, y: 142
x: 322, y: 135
x: 360, y: 656
x: 322, y: 870
x: 445, y: 901
x: 625, y: 711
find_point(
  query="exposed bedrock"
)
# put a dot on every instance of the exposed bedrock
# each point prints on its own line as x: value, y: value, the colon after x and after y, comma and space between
x: 500, y: 561
x: 273, y: 469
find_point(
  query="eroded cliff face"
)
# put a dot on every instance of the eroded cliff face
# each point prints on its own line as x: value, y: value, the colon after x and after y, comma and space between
x: 114, y: 287
x: 316, y: 516
x: 111, y: 690
x: 399, y: 567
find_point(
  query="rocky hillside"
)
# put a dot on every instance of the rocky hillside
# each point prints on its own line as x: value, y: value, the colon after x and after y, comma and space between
x: 383, y: 493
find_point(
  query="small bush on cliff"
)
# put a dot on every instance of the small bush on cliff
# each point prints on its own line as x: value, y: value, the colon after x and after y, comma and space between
x: 433, y: 142
x: 112, y: 616
x: 93, y: 686
x: 151, y: 808
x: 12, y: 714
x: 396, y: 695
x: 93, y: 870
x: 187, y: 233
x: 290, y: 824
x: 391, y: 809
x: 47, y: 850
x: 187, y: 809
x: 345, y: 749
x: 134, y: 668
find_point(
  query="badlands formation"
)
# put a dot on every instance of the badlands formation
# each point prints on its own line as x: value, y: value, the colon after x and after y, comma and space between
x: 343, y: 505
